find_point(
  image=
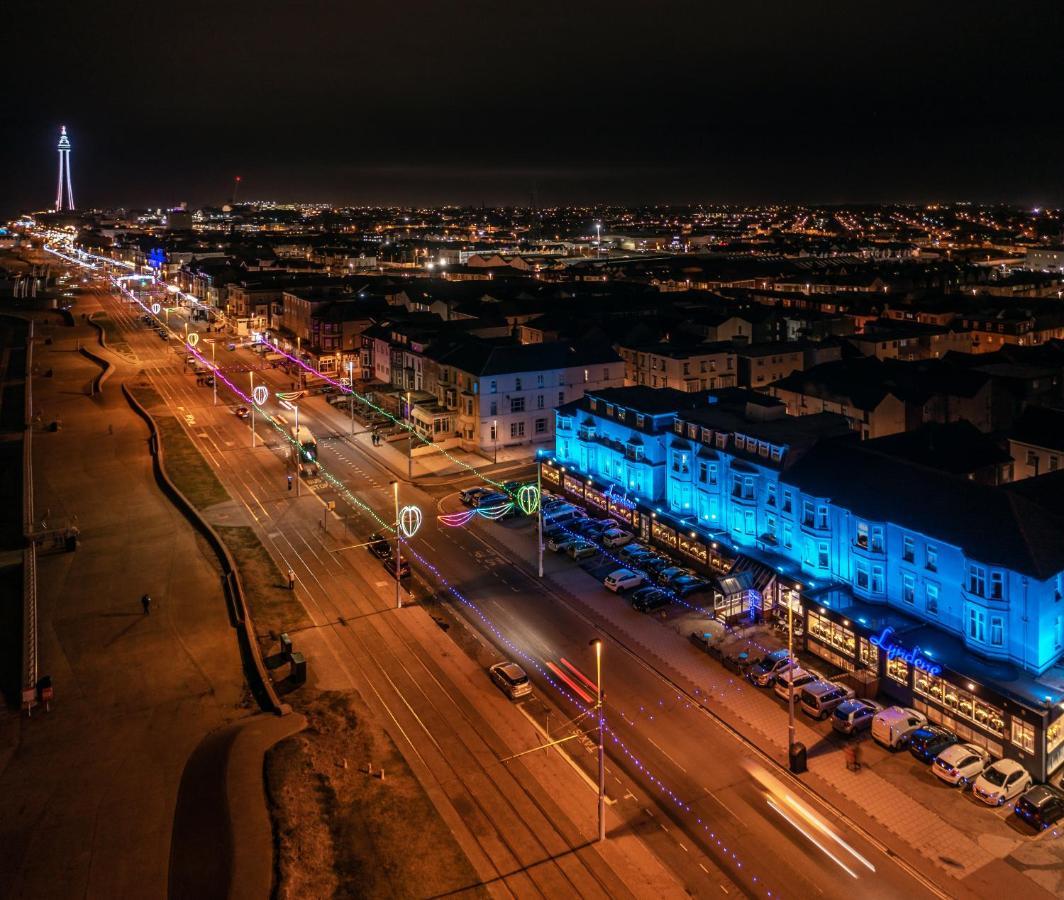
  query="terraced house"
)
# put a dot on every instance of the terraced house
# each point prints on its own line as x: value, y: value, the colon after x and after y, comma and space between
x: 946, y: 591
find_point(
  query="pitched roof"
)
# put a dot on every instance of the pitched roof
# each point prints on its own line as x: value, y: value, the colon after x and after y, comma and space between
x: 1040, y: 426
x: 482, y: 357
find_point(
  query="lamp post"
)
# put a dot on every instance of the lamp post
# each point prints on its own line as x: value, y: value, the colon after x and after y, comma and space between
x: 597, y: 644
x: 409, y: 439
x: 351, y: 396
x: 251, y: 394
x: 790, y: 693
x: 214, y: 374
x: 495, y: 440
x: 398, y: 535
x: 539, y: 511
x: 299, y: 450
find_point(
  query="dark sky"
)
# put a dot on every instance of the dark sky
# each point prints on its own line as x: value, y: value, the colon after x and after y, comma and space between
x: 433, y: 101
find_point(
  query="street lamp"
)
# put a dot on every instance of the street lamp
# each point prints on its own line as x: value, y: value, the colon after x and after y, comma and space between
x: 495, y: 440
x: 597, y: 644
x: 409, y: 439
x: 790, y: 693
x: 539, y: 509
x: 398, y: 535
x: 351, y: 396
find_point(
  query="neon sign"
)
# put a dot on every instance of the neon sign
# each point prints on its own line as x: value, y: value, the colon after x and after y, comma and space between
x: 620, y: 501
x: 914, y: 657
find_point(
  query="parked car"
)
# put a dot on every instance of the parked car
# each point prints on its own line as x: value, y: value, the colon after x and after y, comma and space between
x: 1001, y: 781
x: 389, y: 565
x: 928, y: 742
x: 560, y: 543
x: 793, y: 680
x: 615, y: 537
x: 565, y: 517
x: 686, y: 585
x: 470, y: 495
x: 242, y: 412
x: 582, y: 550
x: 892, y: 727
x: 491, y: 498
x: 1041, y: 806
x: 960, y: 764
x: 852, y: 716
x: 764, y: 671
x: 379, y: 545
x: 654, y: 564
x: 649, y: 598
x: 821, y: 697
x: 670, y: 573
x: 588, y: 528
x: 511, y: 679
x: 631, y: 550
x: 622, y: 580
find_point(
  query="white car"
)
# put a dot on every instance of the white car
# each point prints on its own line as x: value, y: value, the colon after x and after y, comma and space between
x: 794, y: 680
x: 622, y: 580
x: 1001, y: 781
x: 614, y: 537
x: 511, y: 680
x: 960, y: 764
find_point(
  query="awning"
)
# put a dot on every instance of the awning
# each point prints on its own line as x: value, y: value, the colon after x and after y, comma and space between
x: 760, y: 575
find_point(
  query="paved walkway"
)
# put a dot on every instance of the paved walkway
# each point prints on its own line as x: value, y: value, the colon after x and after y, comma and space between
x: 90, y: 788
x: 757, y: 715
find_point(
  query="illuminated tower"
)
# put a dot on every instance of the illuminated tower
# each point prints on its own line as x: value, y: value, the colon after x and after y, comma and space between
x: 64, y: 172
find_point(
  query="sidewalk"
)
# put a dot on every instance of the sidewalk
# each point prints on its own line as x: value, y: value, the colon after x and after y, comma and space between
x: 759, y: 718
x: 90, y: 787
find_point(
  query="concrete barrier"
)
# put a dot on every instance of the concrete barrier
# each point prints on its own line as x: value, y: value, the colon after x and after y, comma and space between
x: 239, y: 613
x: 106, y: 370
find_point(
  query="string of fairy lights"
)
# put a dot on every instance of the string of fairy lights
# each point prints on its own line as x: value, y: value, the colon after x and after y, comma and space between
x: 716, y: 840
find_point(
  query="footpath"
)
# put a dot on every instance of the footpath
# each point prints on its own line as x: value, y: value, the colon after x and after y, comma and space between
x: 867, y: 798
x: 92, y: 786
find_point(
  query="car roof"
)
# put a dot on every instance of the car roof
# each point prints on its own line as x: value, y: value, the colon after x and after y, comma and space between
x: 511, y: 669
x: 621, y: 573
x: 1042, y: 793
x: 1007, y: 765
x: 956, y: 751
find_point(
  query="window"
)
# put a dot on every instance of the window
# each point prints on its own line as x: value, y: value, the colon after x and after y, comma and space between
x: 997, y: 585
x: 862, y: 574
x: 997, y: 631
x: 1058, y: 632
x: 1032, y: 459
x: 1023, y: 735
x: 770, y: 495
x: 712, y: 473
x: 931, y: 598
x: 862, y: 535
x: 640, y: 420
x: 493, y: 431
x: 561, y: 397
x: 908, y: 588
x: 517, y: 404
x: 605, y: 374
x: 807, y: 512
x: 821, y: 517
x: 770, y: 526
x: 517, y: 384
x: 494, y: 407
x: 777, y: 454
x: 907, y: 549
x: 877, y: 538
x: 740, y: 442
x: 1054, y: 463
x: 517, y: 429
x: 787, y: 535
x: 822, y: 554
x: 750, y: 526
x: 977, y: 580
x: 877, y: 579
x: 539, y: 380
x: 494, y: 387
x: 786, y: 501
x: 931, y: 558
x: 586, y: 377
x: 539, y: 401
x: 541, y: 426
x: 898, y: 670
x: 703, y: 471
x: 977, y: 625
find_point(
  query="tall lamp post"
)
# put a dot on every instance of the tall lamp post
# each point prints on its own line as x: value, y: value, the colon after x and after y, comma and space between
x: 790, y: 693
x: 351, y: 396
x: 495, y: 440
x: 539, y: 511
x: 409, y: 439
x: 597, y: 644
x: 398, y: 535
x: 251, y: 394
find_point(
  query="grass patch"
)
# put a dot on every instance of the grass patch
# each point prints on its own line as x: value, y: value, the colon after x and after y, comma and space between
x: 343, y: 833
x: 273, y: 606
x: 186, y: 466
x: 146, y: 396
x: 111, y: 332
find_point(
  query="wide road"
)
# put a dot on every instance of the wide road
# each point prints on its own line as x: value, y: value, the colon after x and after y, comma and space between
x: 679, y: 778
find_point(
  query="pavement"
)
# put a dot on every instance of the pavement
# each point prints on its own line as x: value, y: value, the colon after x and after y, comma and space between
x: 90, y: 787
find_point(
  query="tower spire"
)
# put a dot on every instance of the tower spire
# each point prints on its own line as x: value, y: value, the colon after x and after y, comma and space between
x: 64, y: 173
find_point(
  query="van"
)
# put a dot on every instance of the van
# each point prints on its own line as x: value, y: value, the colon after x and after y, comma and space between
x: 821, y: 697
x: 892, y: 727
x: 793, y: 680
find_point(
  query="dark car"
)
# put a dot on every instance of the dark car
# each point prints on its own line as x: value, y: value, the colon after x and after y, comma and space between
x: 928, y: 742
x: 654, y: 564
x: 647, y: 599
x: 764, y: 671
x: 389, y: 565
x: 686, y: 585
x: 379, y: 546
x: 1041, y: 806
x: 487, y: 500
x: 670, y: 574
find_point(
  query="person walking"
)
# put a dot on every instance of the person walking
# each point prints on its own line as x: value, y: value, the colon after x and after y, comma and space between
x: 291, y: 580
x: 145, y: 601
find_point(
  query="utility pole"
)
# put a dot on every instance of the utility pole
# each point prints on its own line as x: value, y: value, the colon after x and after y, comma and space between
x: 409, y: 439
x: 214, y: 374
x: 398, y: 594
x: 252, y: 396
x: 539, y: 511
x: 495, y: 440
x: 351, y: 396
x: 597, y: 644
x: 790, y: 693
x: 299, y: 450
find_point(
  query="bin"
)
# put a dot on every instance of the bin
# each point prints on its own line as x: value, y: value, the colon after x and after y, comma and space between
x: 286, y: 645
x: 798, y: 758
x: 299, y: 669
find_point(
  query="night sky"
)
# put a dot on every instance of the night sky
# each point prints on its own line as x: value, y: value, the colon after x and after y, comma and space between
x: 486, y: 102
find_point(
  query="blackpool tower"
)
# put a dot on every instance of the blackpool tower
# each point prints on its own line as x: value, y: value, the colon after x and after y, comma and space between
x: 64, y: 173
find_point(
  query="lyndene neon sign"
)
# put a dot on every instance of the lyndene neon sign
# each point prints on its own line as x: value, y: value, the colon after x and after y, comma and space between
x: 914, y: 657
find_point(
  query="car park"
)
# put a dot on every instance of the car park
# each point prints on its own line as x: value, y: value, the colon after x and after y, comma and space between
x: 511, y: 680
x: 764, y: 671
x: 960, y: 764
x: 621, y: 580
x: 852, y: 716
x: 820, y: 698
x: 1042, y: 806
x: 241, y: 412
x: 928, y: 742
x: 892, y: 727
x: 648, y: 599
x: 582, y: 550
x: 615, y: 537
x: 793, y: 680
x: 1001, y: 781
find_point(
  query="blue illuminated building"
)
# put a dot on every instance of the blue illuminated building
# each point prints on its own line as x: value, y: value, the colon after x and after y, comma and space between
x: 971, y: 573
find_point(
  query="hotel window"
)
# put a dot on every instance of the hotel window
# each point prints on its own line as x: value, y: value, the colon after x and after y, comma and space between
x: 786, y: 501
x: 997, y: 631
x: 931, y: 558
x: 961, y: 702
x: 740, y: 442
x: 707, y: 436
x: 494, y: 408
x: 807, y: 512
x: 777, y: 454
x: 788, y: 540
x: 977, y: 580
x: 703, y: 472
x: 539, y: 383
x: 997, y: 585
x: 749, y: 522
x: 931, y: 599
x: 770, y: 495
x: 862, y: 535
x: 541, y: 426
x: 722, y: 439
x: 877, y: 579
x: 907, y: 549
x: 517, y: 384
x: 908, y: 589
x: 869, y: 653
x: 898, y: 670
x: 1023, y: 735
x: 539, y: 401
x: 692, y: 431
x: 822, y: 554
x: 877, y: 538
x: 494, y: 386
x: 862, y: 577
x: 639, y: 421
x: 770, y: 526
x: 517, y: 429
x: 977, y: 625
x: 677, y: 427
x: 821, y: 517
x: 621, y: 414
x: 712, y: 473
x: 1058, y: 632
x: 517, y: 404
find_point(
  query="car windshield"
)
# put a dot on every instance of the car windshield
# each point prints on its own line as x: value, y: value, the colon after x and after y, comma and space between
x: 995, y: 776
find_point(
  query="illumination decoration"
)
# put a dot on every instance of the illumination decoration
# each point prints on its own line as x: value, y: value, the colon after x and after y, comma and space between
x: 409, y: 521
x: 915, y: 657
x: 156, y: 308
x: 64, y: 173
x: 289, y: 396
x: 193, y: 338
x: 458, y: 519
x: 260, y: 395
x: 528, y: 498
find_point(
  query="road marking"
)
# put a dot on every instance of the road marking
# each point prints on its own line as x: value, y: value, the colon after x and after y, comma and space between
x: 666, y: 755
x: 702, y: 867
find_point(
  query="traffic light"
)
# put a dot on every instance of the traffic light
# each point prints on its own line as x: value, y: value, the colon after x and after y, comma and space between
x: 289, y: 482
